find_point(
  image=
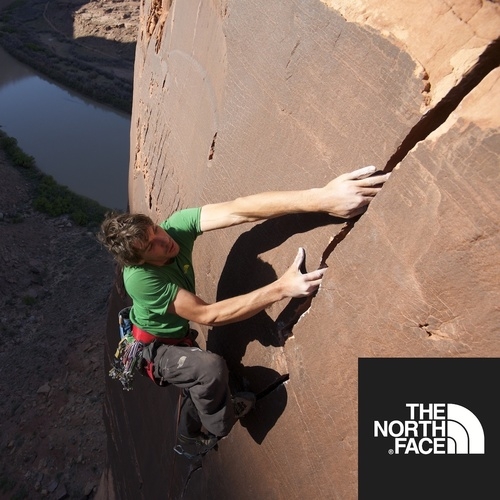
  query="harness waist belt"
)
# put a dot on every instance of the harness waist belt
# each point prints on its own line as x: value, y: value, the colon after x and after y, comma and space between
x: 148, y: 338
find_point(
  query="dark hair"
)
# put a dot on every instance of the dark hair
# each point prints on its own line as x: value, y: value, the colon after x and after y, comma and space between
x: 124, y: 234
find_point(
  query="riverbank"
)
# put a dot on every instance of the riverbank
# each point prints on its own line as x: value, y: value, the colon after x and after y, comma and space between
x: 89, y: 47
x: 48, y: 196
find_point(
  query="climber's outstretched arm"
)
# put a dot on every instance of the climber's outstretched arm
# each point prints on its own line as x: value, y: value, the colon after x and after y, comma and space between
x: 293, y: 283
x: 345, y: 196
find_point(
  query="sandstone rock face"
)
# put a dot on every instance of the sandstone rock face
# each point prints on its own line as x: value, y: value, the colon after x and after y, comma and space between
x: 233, y: 98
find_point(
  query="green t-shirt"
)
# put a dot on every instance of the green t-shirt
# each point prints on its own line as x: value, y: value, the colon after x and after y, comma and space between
x: 153, y: 288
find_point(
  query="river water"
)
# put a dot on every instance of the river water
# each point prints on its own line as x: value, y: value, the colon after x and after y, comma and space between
x: 82, y: 144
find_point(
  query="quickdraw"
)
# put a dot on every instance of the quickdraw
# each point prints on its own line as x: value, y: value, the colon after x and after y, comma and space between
x: 128, y: 355
x: 191, y: 456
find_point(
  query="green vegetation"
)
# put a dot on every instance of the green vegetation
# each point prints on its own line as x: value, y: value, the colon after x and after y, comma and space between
x: 22, y: 494
x: 50, y: 197
x: 28, y: 300
x: 54, y: 200
x: 15, y: 153
x: 6, y: 484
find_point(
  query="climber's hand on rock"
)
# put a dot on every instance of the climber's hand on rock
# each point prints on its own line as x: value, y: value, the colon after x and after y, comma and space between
x: 298, y: 284
x: 349, y: 194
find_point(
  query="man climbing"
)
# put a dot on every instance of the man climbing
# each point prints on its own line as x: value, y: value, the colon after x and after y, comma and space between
x: 159, y: 277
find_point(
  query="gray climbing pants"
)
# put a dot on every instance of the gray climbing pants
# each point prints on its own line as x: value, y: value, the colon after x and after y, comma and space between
x: 203, y: 376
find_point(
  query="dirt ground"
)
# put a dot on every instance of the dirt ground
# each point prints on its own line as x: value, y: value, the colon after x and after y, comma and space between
x: 55, y: 280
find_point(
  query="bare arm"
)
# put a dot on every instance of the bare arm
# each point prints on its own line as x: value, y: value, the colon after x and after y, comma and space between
x: 292, y: 284
x: 345, y: 196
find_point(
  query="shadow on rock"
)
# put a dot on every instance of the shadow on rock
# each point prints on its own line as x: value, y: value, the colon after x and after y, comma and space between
x: 244, y: 272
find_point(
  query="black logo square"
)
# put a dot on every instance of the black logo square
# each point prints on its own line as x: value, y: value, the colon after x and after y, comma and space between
x: 429, y: 428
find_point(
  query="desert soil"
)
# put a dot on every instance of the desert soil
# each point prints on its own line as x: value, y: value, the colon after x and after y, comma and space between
x: 55, y: 280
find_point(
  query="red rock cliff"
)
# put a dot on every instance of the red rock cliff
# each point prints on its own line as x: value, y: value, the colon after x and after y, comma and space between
x: 233, y: 98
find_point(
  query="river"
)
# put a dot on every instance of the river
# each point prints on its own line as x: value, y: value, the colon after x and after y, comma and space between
x: 82, y: 144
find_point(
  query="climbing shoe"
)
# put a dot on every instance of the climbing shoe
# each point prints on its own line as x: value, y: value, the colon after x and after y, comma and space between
x: 196, y: 447
x: 243, y: 402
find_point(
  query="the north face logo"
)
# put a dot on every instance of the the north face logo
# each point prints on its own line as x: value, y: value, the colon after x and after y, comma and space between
x: 434, y: 428
x: 428, y: 428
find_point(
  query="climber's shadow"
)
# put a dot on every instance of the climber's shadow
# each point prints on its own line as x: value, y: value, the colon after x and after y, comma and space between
x: 243, y: 272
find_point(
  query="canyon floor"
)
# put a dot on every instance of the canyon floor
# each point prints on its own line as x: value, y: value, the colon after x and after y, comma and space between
x: 55, y: 279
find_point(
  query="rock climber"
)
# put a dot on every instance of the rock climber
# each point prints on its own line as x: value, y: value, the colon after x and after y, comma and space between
x: 159, y: 278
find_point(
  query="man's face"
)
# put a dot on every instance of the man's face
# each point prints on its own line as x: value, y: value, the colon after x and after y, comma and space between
x: 160, y: 248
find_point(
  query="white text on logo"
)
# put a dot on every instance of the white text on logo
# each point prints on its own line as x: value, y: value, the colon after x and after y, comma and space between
x: 434, y: 428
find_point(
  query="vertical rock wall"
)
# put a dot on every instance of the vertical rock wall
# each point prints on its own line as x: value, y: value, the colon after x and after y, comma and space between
x: 235, y: 97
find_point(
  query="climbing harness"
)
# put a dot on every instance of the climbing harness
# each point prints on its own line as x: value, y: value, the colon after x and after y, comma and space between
x: 128, y: 355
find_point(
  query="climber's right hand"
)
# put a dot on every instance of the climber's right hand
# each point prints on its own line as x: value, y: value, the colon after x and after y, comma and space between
x: 298, y: 284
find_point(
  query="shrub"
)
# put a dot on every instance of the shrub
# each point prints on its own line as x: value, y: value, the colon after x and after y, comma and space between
x: 15, y: 153
x: 28, y: 300
x: 6, y: 484
x: 34, y: 47
x: 55, y: 200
